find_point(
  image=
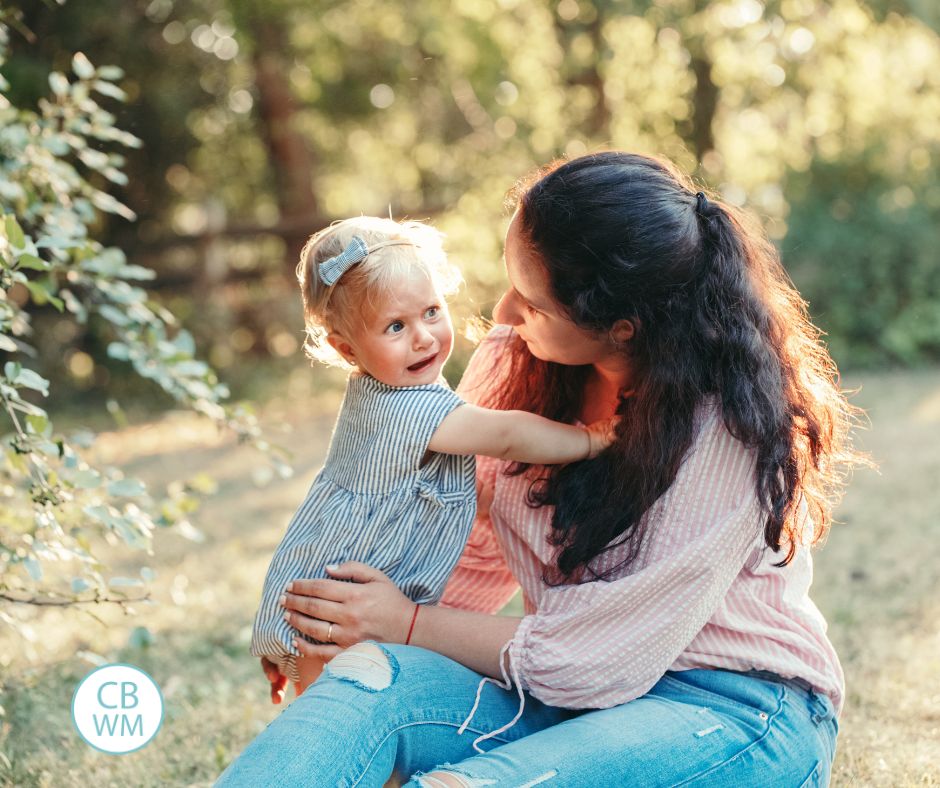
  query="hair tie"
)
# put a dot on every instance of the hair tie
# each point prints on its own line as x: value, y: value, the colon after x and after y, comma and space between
x: 331, y: 270
x: 701, y: 203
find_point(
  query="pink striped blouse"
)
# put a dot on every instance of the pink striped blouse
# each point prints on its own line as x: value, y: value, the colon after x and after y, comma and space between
x: 702, y: 592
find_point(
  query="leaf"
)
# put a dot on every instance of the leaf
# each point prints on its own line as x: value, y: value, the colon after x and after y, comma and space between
x: 113, y: 315
x: 82, y: 66
x: 110, y: 90
x: 90, y: 656
x: 203, y: 483
x: 7, y: 344
x: 189, y: 531
x: 111, y: 72
x: 126, y: 488
x: 191, y: 368
x: 33, y: 263
x: 79, y: 585
x: 14, y: 232
x: 38, y: 423
x: 86, y: 479
x: 137, y: 272
x: 74, y: 306
x: 125, y: 582
x: 58, y: 83
x: 115, y: 176
x: 119, y: 351
x: 39, y: 292
x: 109, y: 204
x: 82, y: 438
x: 34, y: 569
x: 140, y: 638
x: 31, y: 380
x: 94, y: 158
x: 185, y: 343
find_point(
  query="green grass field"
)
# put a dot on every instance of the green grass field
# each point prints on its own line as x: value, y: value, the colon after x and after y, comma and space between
x: 876, y: 583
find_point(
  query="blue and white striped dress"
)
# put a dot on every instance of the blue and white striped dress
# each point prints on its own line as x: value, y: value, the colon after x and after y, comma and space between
x: 375, y: 502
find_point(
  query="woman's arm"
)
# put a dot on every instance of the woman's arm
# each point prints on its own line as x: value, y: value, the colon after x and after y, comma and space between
x: 519, y: 436
x: 372, y: 608
x: 598, y: 644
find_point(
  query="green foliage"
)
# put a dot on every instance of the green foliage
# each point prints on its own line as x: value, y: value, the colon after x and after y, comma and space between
x: 57, y: 508
x: 438, y: 106
x: 862, y: 248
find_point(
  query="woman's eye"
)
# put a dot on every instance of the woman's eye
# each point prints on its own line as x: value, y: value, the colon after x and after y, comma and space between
x: 531, y: 309
x: 395, y: 328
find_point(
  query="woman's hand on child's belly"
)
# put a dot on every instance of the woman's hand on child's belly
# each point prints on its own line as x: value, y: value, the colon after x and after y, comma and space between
x: 369, y: 608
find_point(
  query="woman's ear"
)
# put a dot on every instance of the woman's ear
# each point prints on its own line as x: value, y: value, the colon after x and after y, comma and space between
x: 341, y: 345
x: 622, y: 331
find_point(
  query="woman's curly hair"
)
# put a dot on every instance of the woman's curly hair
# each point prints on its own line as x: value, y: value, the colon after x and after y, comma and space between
x: 624, y: 236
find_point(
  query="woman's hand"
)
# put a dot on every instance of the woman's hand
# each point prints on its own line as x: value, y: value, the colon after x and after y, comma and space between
x: 369, y: 608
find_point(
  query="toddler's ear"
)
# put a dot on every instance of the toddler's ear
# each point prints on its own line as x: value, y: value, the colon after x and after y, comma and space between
x: 340, y: 345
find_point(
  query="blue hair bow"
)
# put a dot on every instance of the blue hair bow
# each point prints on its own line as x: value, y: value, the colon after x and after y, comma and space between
x: 331, y: 270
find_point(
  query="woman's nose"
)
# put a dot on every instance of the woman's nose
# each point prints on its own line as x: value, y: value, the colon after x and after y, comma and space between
x: 505, y: 312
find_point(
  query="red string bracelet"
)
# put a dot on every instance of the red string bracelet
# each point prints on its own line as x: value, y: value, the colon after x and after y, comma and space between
x: 411, y: 629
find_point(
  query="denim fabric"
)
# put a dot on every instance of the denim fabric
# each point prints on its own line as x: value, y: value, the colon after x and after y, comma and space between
x: 362, y: 722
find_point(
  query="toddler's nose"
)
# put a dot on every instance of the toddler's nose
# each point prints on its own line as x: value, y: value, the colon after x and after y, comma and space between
x: 423, y: 338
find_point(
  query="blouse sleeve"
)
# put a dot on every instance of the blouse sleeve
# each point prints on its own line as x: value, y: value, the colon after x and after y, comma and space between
x: 481, y: 581
x: 600, y: 644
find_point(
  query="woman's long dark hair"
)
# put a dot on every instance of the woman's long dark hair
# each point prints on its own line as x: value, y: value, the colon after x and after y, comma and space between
x: 624, y: 236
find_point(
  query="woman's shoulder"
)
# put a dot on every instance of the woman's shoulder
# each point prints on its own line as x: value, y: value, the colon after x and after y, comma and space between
x: 716, y: 454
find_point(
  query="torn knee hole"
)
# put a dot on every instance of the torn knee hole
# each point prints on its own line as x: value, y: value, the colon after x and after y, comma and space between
x: 450, y: 780
x: 367, y: 665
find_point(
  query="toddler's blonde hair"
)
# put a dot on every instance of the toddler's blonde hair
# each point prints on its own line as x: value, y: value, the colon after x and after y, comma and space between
x: 339, y: 307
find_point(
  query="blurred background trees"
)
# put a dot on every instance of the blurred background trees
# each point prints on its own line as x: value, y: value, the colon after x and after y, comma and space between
x: 262, y: 120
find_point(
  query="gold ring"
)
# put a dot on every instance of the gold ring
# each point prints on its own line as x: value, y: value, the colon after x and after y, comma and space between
x: 329, y: 634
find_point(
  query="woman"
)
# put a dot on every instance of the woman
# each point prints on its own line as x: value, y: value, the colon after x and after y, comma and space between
x: 668, y: 636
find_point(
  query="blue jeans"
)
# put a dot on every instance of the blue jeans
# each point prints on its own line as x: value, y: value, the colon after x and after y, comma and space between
x: 390, y: 709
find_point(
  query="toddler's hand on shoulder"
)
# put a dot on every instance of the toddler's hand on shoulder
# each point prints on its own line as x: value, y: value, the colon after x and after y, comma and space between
x: 602, y: 434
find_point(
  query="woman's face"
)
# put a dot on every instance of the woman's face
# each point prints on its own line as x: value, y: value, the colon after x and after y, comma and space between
x: 537, y: 318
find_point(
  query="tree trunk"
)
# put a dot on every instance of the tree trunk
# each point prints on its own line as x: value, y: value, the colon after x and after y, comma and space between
x: 704, y: 105
x: 290, y: 155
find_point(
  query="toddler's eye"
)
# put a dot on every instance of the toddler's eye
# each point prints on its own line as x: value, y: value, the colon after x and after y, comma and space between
x: 395, y: 328
x: 432, y: 312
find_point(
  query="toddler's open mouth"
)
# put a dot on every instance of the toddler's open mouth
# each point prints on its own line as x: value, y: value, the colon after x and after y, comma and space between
x: 422, y: 365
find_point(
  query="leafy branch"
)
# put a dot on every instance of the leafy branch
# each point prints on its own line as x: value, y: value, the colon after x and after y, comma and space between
x: 56, y: 507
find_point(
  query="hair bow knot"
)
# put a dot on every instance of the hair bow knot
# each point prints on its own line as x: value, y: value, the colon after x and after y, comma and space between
x: 331, y: 270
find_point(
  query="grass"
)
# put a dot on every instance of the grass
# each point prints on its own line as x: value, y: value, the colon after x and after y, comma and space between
x: 875, y: 582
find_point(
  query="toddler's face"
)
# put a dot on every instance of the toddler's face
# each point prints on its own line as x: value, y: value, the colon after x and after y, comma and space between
x: 405, y: 340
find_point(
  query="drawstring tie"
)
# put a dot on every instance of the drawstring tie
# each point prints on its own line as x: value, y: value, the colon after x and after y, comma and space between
x: 505, y: 684
x: 446, y: 499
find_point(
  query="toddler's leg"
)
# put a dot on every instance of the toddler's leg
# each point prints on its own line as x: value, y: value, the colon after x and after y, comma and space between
x: 309, y: 669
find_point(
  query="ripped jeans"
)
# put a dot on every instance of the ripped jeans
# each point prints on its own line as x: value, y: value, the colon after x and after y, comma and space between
x: 380, y: 711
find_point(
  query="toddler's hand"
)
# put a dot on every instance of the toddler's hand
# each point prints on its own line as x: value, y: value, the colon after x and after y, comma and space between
x: 601, y: 434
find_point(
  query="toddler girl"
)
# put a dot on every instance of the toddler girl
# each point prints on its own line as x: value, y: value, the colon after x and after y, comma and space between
x: 397, y: 490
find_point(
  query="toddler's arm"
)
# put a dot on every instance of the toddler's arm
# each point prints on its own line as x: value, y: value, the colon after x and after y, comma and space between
x: 519, y: 436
